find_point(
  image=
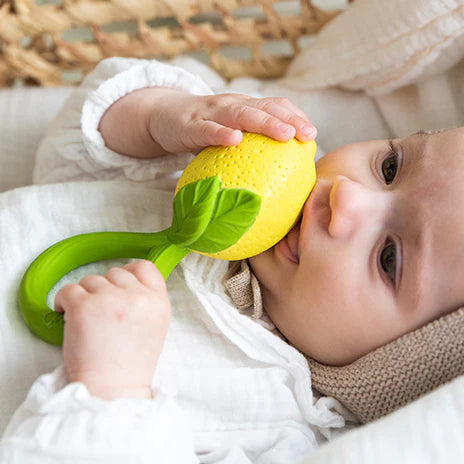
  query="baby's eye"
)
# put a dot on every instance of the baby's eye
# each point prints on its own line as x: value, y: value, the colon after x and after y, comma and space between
x: 388, y: 260
x: 390, y: 166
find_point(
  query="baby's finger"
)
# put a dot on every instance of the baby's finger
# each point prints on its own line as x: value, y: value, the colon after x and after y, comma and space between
x: 121, y: 277
x: 292, y: 107
x: 284, y: 111
x: 67, y: 296
x: 147, y: 274
x: 253, y: 119
x: 93, y: 283
x: 205, y: 133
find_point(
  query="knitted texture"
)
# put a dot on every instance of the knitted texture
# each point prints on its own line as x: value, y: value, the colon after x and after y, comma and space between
x: 243, y: 288
x: 389, y: 377
x: 397, y: 373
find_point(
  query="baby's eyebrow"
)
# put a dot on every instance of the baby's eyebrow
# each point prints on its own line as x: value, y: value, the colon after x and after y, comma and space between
x: 429, y: 132
x: 414, y: 148
x: 415, y: 151
x: 421, y: 132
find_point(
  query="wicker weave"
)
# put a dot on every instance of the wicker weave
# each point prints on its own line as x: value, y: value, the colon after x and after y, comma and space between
x: 37, y: 46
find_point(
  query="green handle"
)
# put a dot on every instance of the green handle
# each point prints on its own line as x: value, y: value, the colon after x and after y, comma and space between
x: 73, y: 252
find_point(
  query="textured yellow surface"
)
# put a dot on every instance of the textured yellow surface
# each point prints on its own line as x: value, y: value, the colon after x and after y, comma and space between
x: 282, y: 173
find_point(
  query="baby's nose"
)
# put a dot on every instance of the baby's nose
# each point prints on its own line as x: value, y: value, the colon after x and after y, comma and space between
x: 352, y: 205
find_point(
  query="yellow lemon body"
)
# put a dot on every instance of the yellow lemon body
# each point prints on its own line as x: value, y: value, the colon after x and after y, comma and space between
x: 282, y: 173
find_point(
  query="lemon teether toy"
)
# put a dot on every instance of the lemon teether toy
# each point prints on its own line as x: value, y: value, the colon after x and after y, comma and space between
x: 231, y: 203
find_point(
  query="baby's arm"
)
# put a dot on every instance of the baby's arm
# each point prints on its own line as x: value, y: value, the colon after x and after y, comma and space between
x: 154, y: 121
x: 101, y: 408
x: 74, y: 149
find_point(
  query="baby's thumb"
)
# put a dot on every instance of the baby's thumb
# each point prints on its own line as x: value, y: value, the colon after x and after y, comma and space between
x: 68, y: 296
x: 208, y: 133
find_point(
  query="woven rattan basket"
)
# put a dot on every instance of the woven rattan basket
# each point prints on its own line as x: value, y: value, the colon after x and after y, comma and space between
x: 53, y: 42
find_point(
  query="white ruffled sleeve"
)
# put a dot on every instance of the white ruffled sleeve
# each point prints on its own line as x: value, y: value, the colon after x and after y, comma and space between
x: 74, y: 150
x: 61, y: 423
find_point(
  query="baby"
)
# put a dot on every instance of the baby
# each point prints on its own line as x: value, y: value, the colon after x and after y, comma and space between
x: 375, y: 256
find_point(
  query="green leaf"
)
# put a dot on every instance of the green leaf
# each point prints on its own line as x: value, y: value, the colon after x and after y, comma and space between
x: 193, y: 207
x: 236, y: 211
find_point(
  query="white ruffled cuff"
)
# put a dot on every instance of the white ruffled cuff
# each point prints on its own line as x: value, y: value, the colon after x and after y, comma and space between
x: 61, y: 422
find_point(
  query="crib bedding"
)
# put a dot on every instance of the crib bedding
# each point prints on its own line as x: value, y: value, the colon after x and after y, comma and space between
x: 24, y: 115
x: 428, y: 430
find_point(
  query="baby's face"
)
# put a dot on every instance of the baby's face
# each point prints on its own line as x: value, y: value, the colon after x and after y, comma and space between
x: 379, y: 251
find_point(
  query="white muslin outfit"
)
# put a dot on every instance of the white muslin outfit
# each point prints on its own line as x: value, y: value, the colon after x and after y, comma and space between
x: 226, y: 389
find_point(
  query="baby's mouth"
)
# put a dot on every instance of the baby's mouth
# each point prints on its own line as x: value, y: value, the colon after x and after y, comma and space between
x: 316, y: 204
x: 292, y: 242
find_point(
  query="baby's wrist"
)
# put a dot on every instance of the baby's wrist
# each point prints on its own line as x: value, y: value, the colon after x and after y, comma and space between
x: 114, y: 393
x: 157, y: 113
x: 130, y: 125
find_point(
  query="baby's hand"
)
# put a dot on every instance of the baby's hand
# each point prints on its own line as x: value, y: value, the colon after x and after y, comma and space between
x: 184, y: 122
x: 115, y: 329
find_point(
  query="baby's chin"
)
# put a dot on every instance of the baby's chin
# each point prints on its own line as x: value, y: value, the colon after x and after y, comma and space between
x: 255, y: 260
x: 263, y: 265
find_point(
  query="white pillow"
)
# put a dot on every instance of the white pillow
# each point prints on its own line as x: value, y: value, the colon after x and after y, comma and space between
x: 24, y: 116
x: 428, y: 431
x: 379, y: 46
